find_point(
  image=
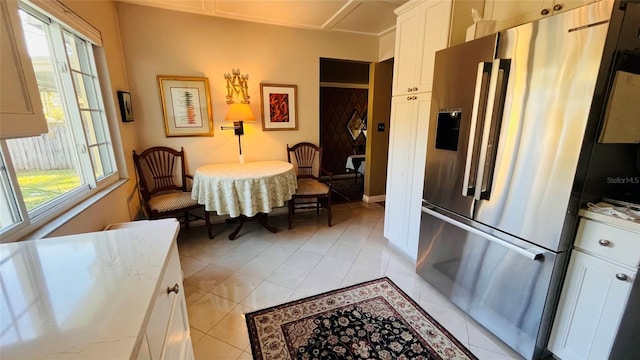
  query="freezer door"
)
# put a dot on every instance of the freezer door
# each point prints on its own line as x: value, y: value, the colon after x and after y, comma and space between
x: 459, y: 96
x: 500, y: 281
x: 525, y: 183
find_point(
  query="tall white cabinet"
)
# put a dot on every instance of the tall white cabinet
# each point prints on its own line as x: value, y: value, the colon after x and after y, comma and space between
x: 422, y: 29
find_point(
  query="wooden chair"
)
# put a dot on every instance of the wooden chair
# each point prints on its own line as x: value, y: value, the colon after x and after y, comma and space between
x: 307, y: 159
x: 163, y: 185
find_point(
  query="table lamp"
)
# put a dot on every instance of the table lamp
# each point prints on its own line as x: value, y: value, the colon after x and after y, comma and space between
x: 238, y: 113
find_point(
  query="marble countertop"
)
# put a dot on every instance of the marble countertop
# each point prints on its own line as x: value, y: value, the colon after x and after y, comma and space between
x: 83, y: 296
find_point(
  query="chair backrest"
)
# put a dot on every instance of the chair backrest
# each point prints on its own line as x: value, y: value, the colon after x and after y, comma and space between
x: 358, y: 149
x: 160, y: 169
x: 306, y: 159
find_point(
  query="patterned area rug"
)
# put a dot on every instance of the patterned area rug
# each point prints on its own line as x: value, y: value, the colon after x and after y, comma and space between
x: 372, y: 320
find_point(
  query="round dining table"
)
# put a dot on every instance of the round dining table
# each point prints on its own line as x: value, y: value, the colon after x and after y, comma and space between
x: 244, y: 191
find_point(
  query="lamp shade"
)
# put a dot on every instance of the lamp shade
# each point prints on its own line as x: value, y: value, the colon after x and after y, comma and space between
x: 239, y: 112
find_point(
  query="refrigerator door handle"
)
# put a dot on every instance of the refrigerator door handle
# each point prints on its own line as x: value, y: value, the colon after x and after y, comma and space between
x: 491, y: 128
x: 479, y: 108
x: 530, y: 253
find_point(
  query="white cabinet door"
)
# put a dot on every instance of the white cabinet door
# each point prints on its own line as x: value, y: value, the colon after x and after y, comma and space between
x: 593, y: 299
x: 420, y: 32
x: 565, y: 5
x: 178, y: 342
x: 437, y: 20
x: 20, y: 107
x: 168, y: 332
x: 509, y: 13
x: 144, y: 353
x: 405, y: 171
x: 408, y: 52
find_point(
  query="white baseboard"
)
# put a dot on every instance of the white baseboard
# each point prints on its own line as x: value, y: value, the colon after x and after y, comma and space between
x: 375, y: 198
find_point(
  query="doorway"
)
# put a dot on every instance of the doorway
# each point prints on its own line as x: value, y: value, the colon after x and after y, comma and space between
x: 344, y: 94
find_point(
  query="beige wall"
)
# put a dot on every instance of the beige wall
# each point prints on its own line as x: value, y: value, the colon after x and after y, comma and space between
x: 121, y: 204
x: 387, y: 45
x: 158, y: 42
x: 162, y: 42
x: 378, y: 141
x: 461, y: 19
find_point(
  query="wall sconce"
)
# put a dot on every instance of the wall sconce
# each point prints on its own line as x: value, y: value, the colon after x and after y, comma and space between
x: 237, y: 84
x: 238, y: 113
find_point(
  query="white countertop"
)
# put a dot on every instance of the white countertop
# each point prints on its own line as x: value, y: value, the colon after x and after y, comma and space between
x: 611, y: 220
x: 83, y: 296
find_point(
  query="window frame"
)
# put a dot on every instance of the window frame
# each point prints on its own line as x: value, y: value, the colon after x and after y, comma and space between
x: 27, y: 222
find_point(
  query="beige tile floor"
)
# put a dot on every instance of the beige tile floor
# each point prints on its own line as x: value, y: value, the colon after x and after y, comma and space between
x: 225, y: 279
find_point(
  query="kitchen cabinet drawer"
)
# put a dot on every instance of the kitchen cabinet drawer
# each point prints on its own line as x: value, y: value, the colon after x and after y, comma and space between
x: 609, y: 242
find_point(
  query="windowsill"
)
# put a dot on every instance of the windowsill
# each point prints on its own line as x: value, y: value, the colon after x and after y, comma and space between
x: 66, y: 216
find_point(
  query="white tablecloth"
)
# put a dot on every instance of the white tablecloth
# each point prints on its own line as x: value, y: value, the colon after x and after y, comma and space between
x: 356, y: 163
x: 244, y: 189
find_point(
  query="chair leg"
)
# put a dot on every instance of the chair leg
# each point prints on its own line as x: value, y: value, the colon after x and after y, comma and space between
x: 329, y: 209
x: 291, y: 209
x: 317, y: 205
x: 207, y: 222
x: 186, y: 220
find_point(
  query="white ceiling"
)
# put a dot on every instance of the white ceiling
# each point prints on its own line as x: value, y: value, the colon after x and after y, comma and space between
x: 371, y: 17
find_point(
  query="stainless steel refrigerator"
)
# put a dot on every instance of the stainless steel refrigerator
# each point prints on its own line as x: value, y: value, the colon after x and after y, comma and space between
x: 506, y: 140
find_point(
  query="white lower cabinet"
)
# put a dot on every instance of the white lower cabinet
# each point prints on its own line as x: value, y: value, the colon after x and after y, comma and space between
x: 167, y: 334
x: 595, y: 291
x: 144, y: 353
x: 405, y: 170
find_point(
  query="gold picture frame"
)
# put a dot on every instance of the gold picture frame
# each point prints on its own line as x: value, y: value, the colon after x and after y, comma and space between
x: 279, y: 107
x: 186, y: 105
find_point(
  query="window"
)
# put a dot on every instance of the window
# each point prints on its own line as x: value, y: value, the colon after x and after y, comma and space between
x: 43, y: 175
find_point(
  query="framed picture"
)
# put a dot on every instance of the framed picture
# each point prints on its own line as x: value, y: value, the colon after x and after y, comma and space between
x: 126, y: 107
x: 186, y: 106
x: 279, y: 107
x: 354, y: 125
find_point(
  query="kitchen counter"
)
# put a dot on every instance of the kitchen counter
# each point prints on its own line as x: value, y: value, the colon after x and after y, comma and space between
x: 611, y: 220
x: 85, y: 296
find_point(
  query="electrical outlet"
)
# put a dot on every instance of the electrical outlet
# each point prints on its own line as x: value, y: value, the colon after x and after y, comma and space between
x: 380, y: 127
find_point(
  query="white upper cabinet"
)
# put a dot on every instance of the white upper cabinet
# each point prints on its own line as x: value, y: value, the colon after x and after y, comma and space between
x: 510, y: 13
x: 422, y: 29
x: 20, y: 107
